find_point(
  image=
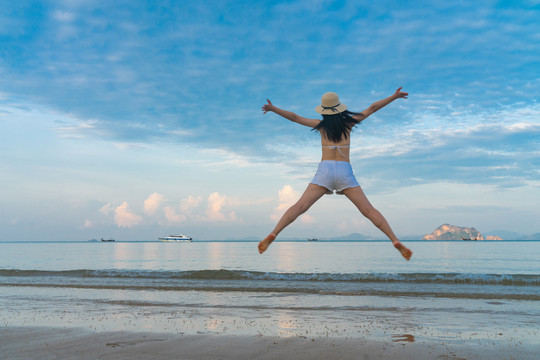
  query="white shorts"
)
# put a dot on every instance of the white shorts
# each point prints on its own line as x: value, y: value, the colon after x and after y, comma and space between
x: 335, y: 176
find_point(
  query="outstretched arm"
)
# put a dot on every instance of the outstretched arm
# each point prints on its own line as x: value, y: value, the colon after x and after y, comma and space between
x: 290, y: 115
x: 376, y: 106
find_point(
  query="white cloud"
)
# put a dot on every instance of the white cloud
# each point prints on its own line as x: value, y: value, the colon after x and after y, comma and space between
x: 214, y: 211
x: 189, y: 203
x: 123, y: 217
x: 234, y: 201
x: 228, y: 158
x: 307, y: 219
x: 106, y: 209
x: 287, y: 197
x: 152, y: 203
x: 215, y: 203
x: 172, y: 216
x: 88, y: 224
x: 232, y: 216
x: 189, y: 209
x: 77, y: 131
x: 129, y: 146
x: 63, y: 16
x: 501, y: 145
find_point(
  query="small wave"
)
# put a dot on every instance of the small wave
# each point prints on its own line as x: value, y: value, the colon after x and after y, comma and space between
x: 238, y: 275
x: 491, y: 294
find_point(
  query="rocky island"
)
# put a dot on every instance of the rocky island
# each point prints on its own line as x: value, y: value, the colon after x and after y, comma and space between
x: 452, y: 232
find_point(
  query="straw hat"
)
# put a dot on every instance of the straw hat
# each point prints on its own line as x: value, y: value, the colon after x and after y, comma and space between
x: 330, y: 104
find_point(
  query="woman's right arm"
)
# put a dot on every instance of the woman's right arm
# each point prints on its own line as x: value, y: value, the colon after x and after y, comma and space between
x: 289, y: 115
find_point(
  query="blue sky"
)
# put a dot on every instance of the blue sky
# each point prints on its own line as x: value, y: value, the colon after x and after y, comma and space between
x: 136, y: 119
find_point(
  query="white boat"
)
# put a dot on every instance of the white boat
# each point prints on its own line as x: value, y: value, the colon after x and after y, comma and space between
x: 176, y: 237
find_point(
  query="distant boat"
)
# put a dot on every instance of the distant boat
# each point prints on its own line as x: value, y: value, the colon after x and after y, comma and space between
x: 176, y: 237
x: 107, y: 240
x: 466, y: 239
x: 312, y: 239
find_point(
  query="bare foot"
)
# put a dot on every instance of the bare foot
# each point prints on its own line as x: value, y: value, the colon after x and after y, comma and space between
x: 263, y: 245
x: 405, y: 252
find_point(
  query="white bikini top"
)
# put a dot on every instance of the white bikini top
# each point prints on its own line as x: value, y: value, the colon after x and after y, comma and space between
x: 338, y: 147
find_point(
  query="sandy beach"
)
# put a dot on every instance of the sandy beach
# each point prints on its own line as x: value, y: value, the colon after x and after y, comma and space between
x: 74, y: 343
x: 157, y: 301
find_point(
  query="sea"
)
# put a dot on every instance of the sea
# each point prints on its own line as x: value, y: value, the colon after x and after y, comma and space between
x: 484, y: 293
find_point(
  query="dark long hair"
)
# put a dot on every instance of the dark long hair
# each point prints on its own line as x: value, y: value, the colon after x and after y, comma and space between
x: 337, y: 126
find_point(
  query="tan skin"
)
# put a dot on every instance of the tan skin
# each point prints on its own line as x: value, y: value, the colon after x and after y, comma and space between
x: 315, y: 192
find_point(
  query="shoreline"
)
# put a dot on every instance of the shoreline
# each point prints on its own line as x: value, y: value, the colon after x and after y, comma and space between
x: 68, y: 343
x: 255, y: 241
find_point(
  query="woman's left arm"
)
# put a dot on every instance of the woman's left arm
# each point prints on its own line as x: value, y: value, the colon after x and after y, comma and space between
x: 376, y: 106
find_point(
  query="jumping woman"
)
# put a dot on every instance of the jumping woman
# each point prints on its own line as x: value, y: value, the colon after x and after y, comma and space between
x: 335, y: 172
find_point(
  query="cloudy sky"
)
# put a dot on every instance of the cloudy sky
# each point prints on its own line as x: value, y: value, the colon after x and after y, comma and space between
x: 136, y: 119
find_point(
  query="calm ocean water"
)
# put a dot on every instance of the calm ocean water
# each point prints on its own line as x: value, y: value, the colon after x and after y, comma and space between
x: 485, y: 290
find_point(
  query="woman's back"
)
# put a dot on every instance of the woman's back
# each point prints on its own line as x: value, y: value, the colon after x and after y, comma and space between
x: 337, y: 151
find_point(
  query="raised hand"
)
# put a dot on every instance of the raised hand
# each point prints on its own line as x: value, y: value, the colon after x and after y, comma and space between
x: 401, y: 94
x: 267, y: 107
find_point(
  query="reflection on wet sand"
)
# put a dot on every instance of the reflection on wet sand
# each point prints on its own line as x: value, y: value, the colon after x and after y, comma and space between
x: 287, y: 325
x: 403, y: 338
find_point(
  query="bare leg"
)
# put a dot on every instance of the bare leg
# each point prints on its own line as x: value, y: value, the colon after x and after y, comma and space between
x: 309, y: 197
x: 359, y: 199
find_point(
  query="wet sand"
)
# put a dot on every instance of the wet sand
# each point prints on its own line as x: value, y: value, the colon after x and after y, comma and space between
x: 74, y: 343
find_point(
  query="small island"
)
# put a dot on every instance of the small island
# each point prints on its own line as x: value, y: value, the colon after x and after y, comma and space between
x: 452, y: 232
